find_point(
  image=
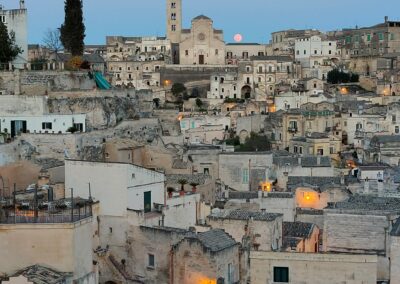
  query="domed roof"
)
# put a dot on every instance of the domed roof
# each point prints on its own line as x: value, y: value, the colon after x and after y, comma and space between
x: 201, y: 17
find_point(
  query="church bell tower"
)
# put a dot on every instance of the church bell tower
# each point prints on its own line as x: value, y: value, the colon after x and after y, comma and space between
x: 174, y: 20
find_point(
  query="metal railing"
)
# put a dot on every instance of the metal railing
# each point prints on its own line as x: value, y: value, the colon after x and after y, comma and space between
x: 52, y: 215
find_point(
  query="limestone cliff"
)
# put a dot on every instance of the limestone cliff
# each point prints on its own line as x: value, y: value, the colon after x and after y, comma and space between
x: 102, y: 112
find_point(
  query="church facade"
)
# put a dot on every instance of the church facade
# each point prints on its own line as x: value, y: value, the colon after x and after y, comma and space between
x: 199, y: 45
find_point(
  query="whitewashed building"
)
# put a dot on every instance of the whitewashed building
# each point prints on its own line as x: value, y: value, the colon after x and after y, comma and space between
x: 46, y: 123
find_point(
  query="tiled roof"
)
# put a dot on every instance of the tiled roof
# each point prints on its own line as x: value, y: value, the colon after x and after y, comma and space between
x: 297, y: 229
x: 240, y: 214
x: 312, y: 181
x: 306, y: 161
x: 243, y: 195
x: 368, y: 203
x: 216, y: 240
x: 385, y: 138
x: 42, y: 275
x: 280, y: 195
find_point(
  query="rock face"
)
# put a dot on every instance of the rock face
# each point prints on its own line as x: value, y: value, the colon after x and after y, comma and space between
x: 102, y: 112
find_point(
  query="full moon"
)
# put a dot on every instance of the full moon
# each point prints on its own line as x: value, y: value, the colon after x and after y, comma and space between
x: 238, y: 37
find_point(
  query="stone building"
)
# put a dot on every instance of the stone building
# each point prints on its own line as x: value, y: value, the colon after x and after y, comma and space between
x: 236, y: 52
x: 312, y: 268
x: 284, y: 126
x: 16, y: 20
x: 317, y: 55
x: 62, y: 240
x: 316, y: 144
x: 283, y: 42
x: 121, y: 48
x: 376, y: 40
x: 259, y: 230
x: 300, y: 237
x: 206, y: 257
x: 202, y: 44
x: 245, y: 171
x: 362, y: 225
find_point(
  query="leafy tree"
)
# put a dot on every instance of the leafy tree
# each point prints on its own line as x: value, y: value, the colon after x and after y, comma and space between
x: 336, y: 76
x: 8, y: 49
x: 73, y: 29
x: 354, y: 78
x: 52, y: 40
x: 255, y: 143
x: 178, y: 88
x: 74, y: 63
x: 199, y: 103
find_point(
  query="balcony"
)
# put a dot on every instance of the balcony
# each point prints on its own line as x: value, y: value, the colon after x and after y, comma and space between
x: 45, y: 213
x: 292, y: 129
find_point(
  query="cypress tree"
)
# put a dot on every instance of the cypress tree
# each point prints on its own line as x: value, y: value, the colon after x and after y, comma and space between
x: 73, y: 29
x: 8, y: 49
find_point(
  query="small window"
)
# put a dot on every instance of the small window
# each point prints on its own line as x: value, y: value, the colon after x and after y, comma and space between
x: 281, y: 274
x: 396, y: 130
x: 47, y: 125
x: 151, y: 260
x: 187, y: 52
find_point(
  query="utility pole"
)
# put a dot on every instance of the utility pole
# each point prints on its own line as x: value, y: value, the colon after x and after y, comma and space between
x: 72, y: 205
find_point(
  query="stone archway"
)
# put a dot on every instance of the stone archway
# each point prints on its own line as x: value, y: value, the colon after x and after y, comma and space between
x: 246, y: 92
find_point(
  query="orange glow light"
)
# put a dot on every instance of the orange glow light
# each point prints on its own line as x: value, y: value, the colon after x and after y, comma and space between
x: 207, y: 281
x: 266, y: 186
x: 272, y: 108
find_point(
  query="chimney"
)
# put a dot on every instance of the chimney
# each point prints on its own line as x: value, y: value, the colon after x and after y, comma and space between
x: 22, y: 4
x: 386, y: 19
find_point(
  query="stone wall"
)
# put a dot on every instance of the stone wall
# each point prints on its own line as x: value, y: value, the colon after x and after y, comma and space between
x: 41, y: 82
x: 194, y: 264
x: 155, y: 241
x: 314, y: 268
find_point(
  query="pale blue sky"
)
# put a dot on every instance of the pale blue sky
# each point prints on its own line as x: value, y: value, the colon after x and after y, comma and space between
x: 254, y: 19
